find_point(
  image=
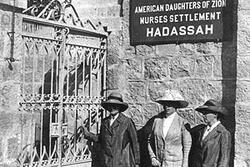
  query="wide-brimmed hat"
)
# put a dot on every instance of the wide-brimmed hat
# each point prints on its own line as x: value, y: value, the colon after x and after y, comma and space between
x: 212, y: 106
x: 172, y: 98
x: 114, y: 99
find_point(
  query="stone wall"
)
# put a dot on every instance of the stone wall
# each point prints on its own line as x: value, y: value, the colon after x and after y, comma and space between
x: 14, y: 125
x: 199, y: 71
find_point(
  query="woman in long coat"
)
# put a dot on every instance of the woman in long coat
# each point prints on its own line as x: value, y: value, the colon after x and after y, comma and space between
x: 212, y: 148
x: 118, y: 136
x: 169, y: 142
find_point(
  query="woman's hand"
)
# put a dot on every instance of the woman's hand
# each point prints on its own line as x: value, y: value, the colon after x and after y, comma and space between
x: 155, y: 162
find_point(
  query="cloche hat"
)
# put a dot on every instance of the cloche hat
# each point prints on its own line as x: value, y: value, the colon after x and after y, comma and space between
x: 212, y: 106
x: 172, y: 98
x: 114, y: 99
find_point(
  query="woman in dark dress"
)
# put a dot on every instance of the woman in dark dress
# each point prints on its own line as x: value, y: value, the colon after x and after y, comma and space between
x: 213, y: 140
x: 118, y: 136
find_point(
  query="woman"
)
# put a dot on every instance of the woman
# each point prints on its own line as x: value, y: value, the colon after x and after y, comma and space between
x: 118, y: 136
x: 212, y: 148
x: 169, y: 142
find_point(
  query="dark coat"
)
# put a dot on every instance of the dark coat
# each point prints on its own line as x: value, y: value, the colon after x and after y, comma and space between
x: 213, y: 151
x: 119, y: 143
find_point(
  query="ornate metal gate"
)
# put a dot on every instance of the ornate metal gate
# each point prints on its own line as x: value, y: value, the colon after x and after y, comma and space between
x: 63, y: 83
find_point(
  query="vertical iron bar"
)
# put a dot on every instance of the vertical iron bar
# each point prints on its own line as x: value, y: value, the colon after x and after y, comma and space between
x: 53, y: 55
x: 33, y: 71
x: 90, y: 72
x: 52, y: 68
x: 68, y: 70
x: 33, y: 93
x: 61, y: 73
x: 90, y: 83
x: 76, y: 58
x: 98, y: 87
x: 83, y: 70
x: 42, y: 97
x: 50, y: 126
x: 57, y: 72
x: 76, y: 94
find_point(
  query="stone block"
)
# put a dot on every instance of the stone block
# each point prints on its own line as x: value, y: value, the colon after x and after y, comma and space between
x: 136, y: 92
x: 87, y: 12
x: 203, y: 66
x: 194, y: 91
x: 244, y: 5
x: 214, y: 89
x: 112, y: 23
x: 156, y: 68
x: 102, y: 12
x: 9, y: 93
x: 243, y: 32
x: 113, y: 11
x: 93, y: 3
x: 167, y: 50
x: 112, y: 79
x: 136, y: 114
x: 193, y: 117
x: 208, y: 48
x: 11, y: 71
x: 113, y: 58
x: 187, y: 49
x: 129, y: 52
x: 146, y: 51
x: 5, y: 21
x: 133, y: 69
x: 241, y: 142
x: 243, y: 42
x: 114, y: 53
x: 156, y: 89
x: 150, y: 110
x: 125, y: 4
x: 243, y: 91
x: 242, y: 115
x: 243, y: 67
x: 181, y: 67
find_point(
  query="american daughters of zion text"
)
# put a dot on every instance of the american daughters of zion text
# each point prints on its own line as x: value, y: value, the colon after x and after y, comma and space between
x: 186, y: 29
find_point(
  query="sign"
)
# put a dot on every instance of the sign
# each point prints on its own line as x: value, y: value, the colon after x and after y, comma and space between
x: 178, y: 21
x: 54, y: 129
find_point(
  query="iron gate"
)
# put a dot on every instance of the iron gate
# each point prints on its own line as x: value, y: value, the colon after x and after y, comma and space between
x: 63, y: 83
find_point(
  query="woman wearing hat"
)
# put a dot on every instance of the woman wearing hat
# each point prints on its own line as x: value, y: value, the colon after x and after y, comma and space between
x: 212, y: 148
x: 118, y: 136
x: 169, y: 142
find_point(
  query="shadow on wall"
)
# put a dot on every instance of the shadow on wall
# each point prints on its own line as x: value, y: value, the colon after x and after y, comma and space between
x: 229, y: 74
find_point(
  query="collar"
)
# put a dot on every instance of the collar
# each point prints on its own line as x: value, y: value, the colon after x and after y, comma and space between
x: 213, y: 126
x: 170, y: 116
x: 114, y: 117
